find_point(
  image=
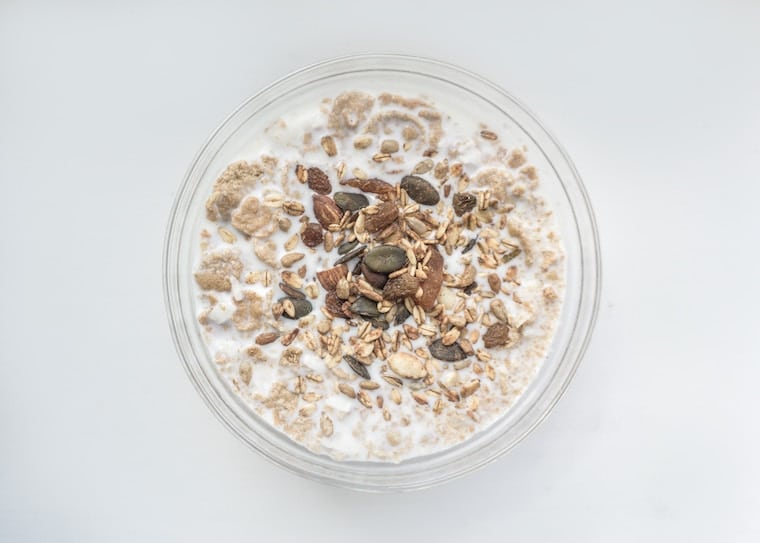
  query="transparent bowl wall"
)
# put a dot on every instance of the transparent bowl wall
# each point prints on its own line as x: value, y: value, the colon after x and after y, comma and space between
x: 458, y: 92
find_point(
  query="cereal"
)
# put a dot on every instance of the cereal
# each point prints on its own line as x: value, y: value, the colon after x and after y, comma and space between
x: 372, y: 291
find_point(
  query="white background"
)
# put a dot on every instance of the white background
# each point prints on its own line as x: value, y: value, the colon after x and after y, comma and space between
x: 102, y: 107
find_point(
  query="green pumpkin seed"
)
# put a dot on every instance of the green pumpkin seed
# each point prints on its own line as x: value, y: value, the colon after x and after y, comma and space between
x: 377, y: 322
x: 401, y: 315
x: 420, y: 190
x: 350, y: 201
x: 343, y: 248
x: 302, y: 308
x: 356, y: 365
x: 365, y: 307
x: 385, y: 259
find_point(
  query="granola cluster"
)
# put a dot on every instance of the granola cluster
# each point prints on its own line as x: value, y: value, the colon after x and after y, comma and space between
x: 379, y: 294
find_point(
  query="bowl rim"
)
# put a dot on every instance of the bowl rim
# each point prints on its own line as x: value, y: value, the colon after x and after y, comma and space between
x: 273, y: 452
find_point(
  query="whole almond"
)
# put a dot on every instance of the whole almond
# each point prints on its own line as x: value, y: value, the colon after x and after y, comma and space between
x: 387, y: 213
x: 326, y: 210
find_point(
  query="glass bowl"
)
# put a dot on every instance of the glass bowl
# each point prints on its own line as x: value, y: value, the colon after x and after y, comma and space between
x: 471, y: 95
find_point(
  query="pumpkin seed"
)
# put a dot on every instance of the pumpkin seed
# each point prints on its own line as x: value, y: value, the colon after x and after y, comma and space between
x: 343, y: 248
x: 446, y: 353
x: 350, y: 201
x: 402, y: 313
x: 350, y: 254
x: 356, y: 365
x: 377, y: 322
x: 420, y: 190
x: 301, y: 307
x: 385, y: 259
x: 292, y: 292
x: 365, y: 307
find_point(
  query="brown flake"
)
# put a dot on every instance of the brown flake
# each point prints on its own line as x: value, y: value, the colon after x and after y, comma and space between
x: 216, y: 269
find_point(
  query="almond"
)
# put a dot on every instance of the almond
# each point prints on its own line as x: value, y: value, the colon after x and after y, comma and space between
x: 373, y: 185
x: 329, y: 278
x: 326, y: 210
x: 387, y: 213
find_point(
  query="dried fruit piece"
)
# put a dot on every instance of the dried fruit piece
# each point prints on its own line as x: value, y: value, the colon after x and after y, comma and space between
x: 356, y: 365
x: 386, y: 214
x: 431, y: 286
x: 400, y: 287
x: 385, y: 259
x: 350, y: 201
x: 447, y: 353
x: 325, y: 210
x: 312, y: 234
x: 318, y: 181
x: 496, y: 335
x: 300, y: 308
x: 464, y: 202
x: 372, y: 185
x: 419, y: 190
x: 329, y: 278
x: 407, y: 365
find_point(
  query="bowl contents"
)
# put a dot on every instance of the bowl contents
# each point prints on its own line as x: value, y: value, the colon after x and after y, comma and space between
x: 379, y: 280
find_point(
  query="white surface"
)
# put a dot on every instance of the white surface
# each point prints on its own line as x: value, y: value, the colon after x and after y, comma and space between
x: 101, y: 109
